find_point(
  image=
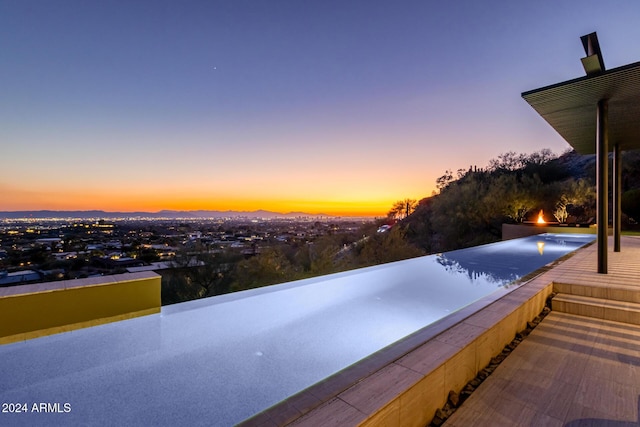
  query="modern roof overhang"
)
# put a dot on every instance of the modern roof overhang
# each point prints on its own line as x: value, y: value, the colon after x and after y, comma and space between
x: 570, y: 107
x: 595, y: 114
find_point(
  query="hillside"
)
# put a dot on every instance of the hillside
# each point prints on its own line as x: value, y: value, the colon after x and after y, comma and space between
x: 472, y: 206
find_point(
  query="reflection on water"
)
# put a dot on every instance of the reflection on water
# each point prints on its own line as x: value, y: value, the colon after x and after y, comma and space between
x: 474, y: 272
x: 504, y: 262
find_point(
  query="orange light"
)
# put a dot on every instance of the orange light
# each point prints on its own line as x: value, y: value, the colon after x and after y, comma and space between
x: 541, y: 218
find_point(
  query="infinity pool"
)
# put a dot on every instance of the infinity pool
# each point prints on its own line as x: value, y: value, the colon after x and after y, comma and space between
x: 220, y: 360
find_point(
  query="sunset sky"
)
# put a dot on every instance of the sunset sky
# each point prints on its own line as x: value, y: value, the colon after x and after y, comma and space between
x: 336, y: 107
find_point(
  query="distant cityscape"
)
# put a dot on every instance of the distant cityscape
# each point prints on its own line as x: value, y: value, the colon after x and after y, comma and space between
x: 163, y: 214
x: 57, y: 245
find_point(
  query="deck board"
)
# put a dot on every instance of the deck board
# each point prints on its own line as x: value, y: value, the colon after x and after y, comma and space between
x: 572, y: 370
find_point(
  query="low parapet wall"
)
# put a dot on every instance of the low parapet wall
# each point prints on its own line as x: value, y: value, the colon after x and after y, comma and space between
x: 515, y: 231
x: 31, y: 311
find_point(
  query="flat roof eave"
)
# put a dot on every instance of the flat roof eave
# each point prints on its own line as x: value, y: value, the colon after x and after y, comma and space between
x: 570, y: 107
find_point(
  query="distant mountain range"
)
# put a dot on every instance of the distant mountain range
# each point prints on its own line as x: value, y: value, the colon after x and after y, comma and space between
x: 199, y: 214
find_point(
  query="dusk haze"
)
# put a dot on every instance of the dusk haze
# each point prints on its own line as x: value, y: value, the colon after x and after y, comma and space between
x: 329, y: 107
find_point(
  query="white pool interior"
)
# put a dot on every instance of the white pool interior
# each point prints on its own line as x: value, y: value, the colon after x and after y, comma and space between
x: 220, y: 360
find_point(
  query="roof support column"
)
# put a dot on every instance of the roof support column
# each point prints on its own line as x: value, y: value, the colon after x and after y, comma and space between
x: 617, y: 196
x: 602, y: 180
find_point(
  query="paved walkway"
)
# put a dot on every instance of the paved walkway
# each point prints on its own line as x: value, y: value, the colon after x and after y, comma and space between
x: 572, y: 370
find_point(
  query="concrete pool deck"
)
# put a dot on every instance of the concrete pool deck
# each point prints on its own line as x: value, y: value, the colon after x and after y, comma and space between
x: 572, y: 370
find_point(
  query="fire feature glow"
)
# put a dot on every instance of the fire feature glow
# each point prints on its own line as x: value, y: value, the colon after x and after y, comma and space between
x: 541, y: 218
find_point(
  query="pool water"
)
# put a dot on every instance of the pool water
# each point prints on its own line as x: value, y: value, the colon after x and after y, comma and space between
x: 220, y: 360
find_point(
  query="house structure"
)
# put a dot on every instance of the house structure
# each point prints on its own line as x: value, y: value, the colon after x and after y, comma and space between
x: 597, y: 114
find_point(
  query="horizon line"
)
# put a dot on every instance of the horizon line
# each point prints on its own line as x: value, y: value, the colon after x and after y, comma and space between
x: 160, y: 211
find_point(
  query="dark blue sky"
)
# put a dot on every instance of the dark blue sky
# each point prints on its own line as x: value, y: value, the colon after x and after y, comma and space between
x: 284, y: 105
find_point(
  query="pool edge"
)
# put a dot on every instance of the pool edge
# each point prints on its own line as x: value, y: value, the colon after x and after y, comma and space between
x: 399, y: 375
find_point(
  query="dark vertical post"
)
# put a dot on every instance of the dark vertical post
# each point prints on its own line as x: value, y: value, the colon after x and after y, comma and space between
x: 617, y: 197
x: 602, y: 178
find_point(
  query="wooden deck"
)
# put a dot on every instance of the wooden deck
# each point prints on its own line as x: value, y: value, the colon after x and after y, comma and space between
x: 573, y: 370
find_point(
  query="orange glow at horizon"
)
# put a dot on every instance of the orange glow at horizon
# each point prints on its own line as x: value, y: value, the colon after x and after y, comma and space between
x: 132, y: 202
x: 332, y: 198
x: 541, y: 218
